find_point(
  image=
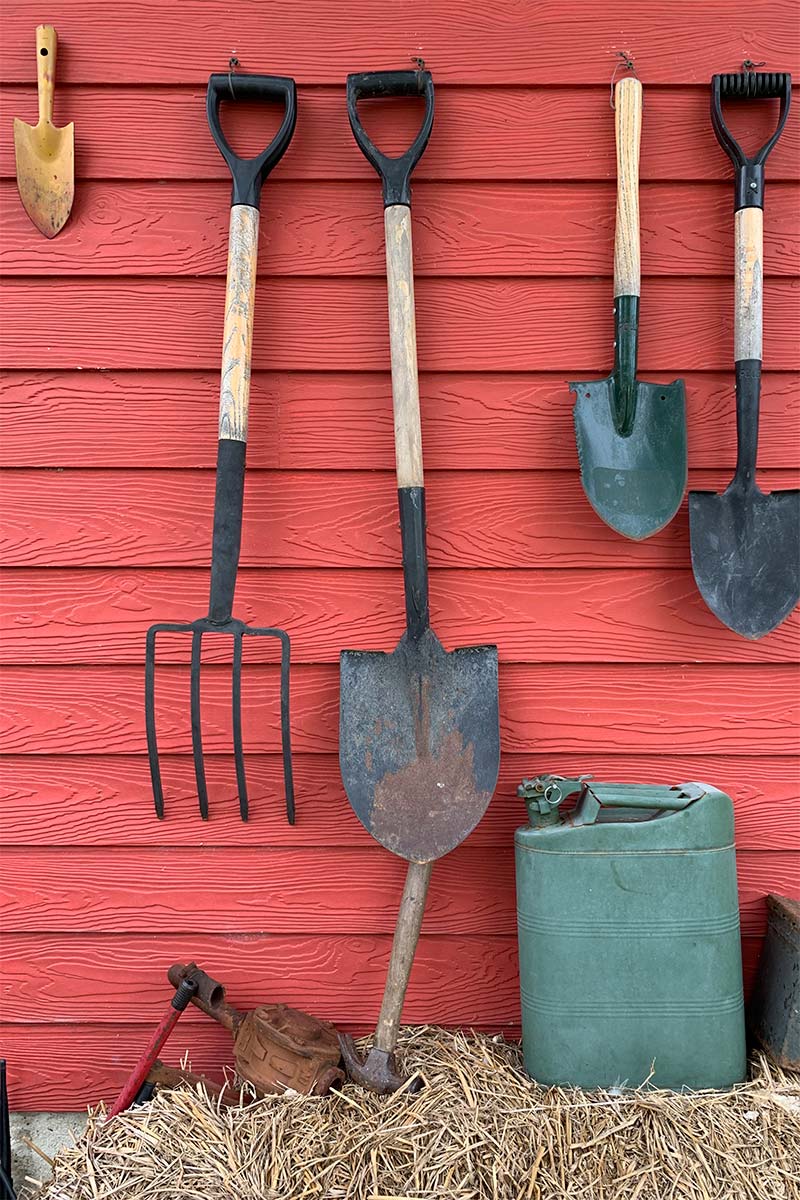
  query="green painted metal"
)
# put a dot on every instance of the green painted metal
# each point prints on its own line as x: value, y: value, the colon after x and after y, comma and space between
x: 628, y: 920
x: 631, y: 438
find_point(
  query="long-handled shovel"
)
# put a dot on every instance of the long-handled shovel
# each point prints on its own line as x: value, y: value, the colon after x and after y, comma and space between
x: 631, y: 435
x: 745, y: 544
x: 419, y: 740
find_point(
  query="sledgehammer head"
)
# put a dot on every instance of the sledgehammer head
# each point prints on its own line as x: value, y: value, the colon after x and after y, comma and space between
x: 378, y: 1071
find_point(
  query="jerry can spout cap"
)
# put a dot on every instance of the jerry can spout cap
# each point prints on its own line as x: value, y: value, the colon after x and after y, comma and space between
x: 545, y: 793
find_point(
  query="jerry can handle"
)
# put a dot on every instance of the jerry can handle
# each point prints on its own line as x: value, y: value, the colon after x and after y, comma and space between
x: 590, y: 803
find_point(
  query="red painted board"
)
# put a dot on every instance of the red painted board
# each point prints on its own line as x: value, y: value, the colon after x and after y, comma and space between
x: 64, y: 1067
x: 333, y: 519
x: 560, y: 709
x: 79, y: 800
x: 470, y: 229
x: 106, y: 980
x: 533, y: 133
x: 258, y: 889
x: 149, y: 42
x: 341, y: 324
x: 56, y: 616
x: 321, y: 421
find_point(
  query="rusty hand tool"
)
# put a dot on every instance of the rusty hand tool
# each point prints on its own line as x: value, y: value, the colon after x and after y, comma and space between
x: 160, y: 1075
x: 745, y: 544
x: 419, y: 738
x: 184, y: 991
x: 274, y: 1047
x: 631, y: 435
x: 45, y: 155
x: 248, y: 176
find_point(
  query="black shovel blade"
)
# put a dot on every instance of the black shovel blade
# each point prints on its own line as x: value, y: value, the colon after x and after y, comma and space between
x: 635, y: 481
x: 419, y: 742
x: 746, y: 555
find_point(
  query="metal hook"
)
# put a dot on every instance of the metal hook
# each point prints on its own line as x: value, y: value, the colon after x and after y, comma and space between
x: 749, y: 65
x: 232, y: 64
x: 626, y: 63
x: 415, y: 58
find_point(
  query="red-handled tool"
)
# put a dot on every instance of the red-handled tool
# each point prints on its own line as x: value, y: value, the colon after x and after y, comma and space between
x: 183, y: 994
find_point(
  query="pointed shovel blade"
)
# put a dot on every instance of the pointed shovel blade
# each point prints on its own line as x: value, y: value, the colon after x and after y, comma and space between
x: 746, y: 555
x: 45, y: 173
x: 419, y: 742
x: 634, y: 482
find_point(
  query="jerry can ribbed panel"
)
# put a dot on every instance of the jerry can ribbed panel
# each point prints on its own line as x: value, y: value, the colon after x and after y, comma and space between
x: 630, y: 958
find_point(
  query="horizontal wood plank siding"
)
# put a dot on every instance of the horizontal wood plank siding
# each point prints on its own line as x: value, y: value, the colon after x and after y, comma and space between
x: 610, y: 663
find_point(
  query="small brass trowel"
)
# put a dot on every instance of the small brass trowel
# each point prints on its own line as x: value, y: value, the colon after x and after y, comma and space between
x: 45, y: 155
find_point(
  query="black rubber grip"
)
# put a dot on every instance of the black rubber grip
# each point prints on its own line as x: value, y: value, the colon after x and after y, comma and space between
x: 754, y: 85
x: 249, y: 173
x: 395, y: 171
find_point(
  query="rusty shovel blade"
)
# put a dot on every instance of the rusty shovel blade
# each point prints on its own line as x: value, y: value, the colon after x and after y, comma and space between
x: 419, y: 742
x: 45, y: 154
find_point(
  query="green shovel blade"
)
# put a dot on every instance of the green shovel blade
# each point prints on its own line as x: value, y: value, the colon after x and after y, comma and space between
x: 634, y: 481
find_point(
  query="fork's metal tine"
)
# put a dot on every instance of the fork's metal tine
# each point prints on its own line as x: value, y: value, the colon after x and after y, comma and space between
x: 286, y: 732
x: 150, y: 720
x: 238, y: 748
x: 197, y: 737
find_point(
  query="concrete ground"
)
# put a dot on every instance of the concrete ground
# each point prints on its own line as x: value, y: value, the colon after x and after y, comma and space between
x: 49, y: 1131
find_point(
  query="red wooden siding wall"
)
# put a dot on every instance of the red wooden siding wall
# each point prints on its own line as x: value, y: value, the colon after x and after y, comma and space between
x: 111, y: 333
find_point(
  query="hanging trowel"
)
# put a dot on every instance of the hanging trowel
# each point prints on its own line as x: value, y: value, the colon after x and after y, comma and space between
x: 45, y: 155
x: 631, y: 435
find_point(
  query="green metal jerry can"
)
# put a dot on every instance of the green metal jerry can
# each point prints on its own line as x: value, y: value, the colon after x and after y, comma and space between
x: 629, y: 951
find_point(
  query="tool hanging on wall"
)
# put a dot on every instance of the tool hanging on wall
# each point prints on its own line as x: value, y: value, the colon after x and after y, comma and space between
x: 745, y: 544
x: 631, y: 435
x: 274, y: 1047
x: 237, y: 346
x: 45, y: 155
x: 184, y: 990
x: 419, y: 740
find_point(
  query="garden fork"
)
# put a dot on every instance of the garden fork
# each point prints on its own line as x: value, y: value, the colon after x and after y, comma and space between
x: 248, y: 176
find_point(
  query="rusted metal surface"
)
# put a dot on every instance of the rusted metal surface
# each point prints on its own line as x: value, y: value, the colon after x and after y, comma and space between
x: 161, y: 1075
x: 775, y: 1007
x: 275, y: 1047
x: 378, y: 1071
x: 419, y: 742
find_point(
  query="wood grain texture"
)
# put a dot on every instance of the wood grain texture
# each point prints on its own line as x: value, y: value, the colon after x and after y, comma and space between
x: 333, y: 519
x: 94, y: 616
x: 628, y: 132
x: 339, y: 976
x: 79, y: 800
x: 237, y: 332
x: 464, y: 42
x: 749, y: 282
x: 461, y: 229
x: 340, y: 324
x: 489, y: 133
x: 403, y: 346
x: 277, y: 891
x: 321, y: 421
x: 561, y: 709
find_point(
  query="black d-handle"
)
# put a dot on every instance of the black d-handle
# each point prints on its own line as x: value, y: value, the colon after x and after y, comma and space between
x: 249, y: 173
x: 395, y: 171
x: 749, y: 85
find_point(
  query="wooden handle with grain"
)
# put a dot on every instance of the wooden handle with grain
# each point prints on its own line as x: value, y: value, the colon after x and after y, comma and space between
x: 628, y: 126
x: 749, y: 272
x: 46, y: 54
x: 403, y: 343
x: 237, y: 338
x: 404, y: 945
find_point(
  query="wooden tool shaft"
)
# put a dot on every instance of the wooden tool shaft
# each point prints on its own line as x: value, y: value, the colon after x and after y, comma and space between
x: 628, y: 126
x: 237, y: 339
x: 404, y: 945
x: 749, y: 273
x: 403, y: 343
x: 46, y: 53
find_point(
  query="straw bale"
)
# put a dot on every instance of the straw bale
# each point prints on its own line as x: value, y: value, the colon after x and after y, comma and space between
x: 479, y: 1129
